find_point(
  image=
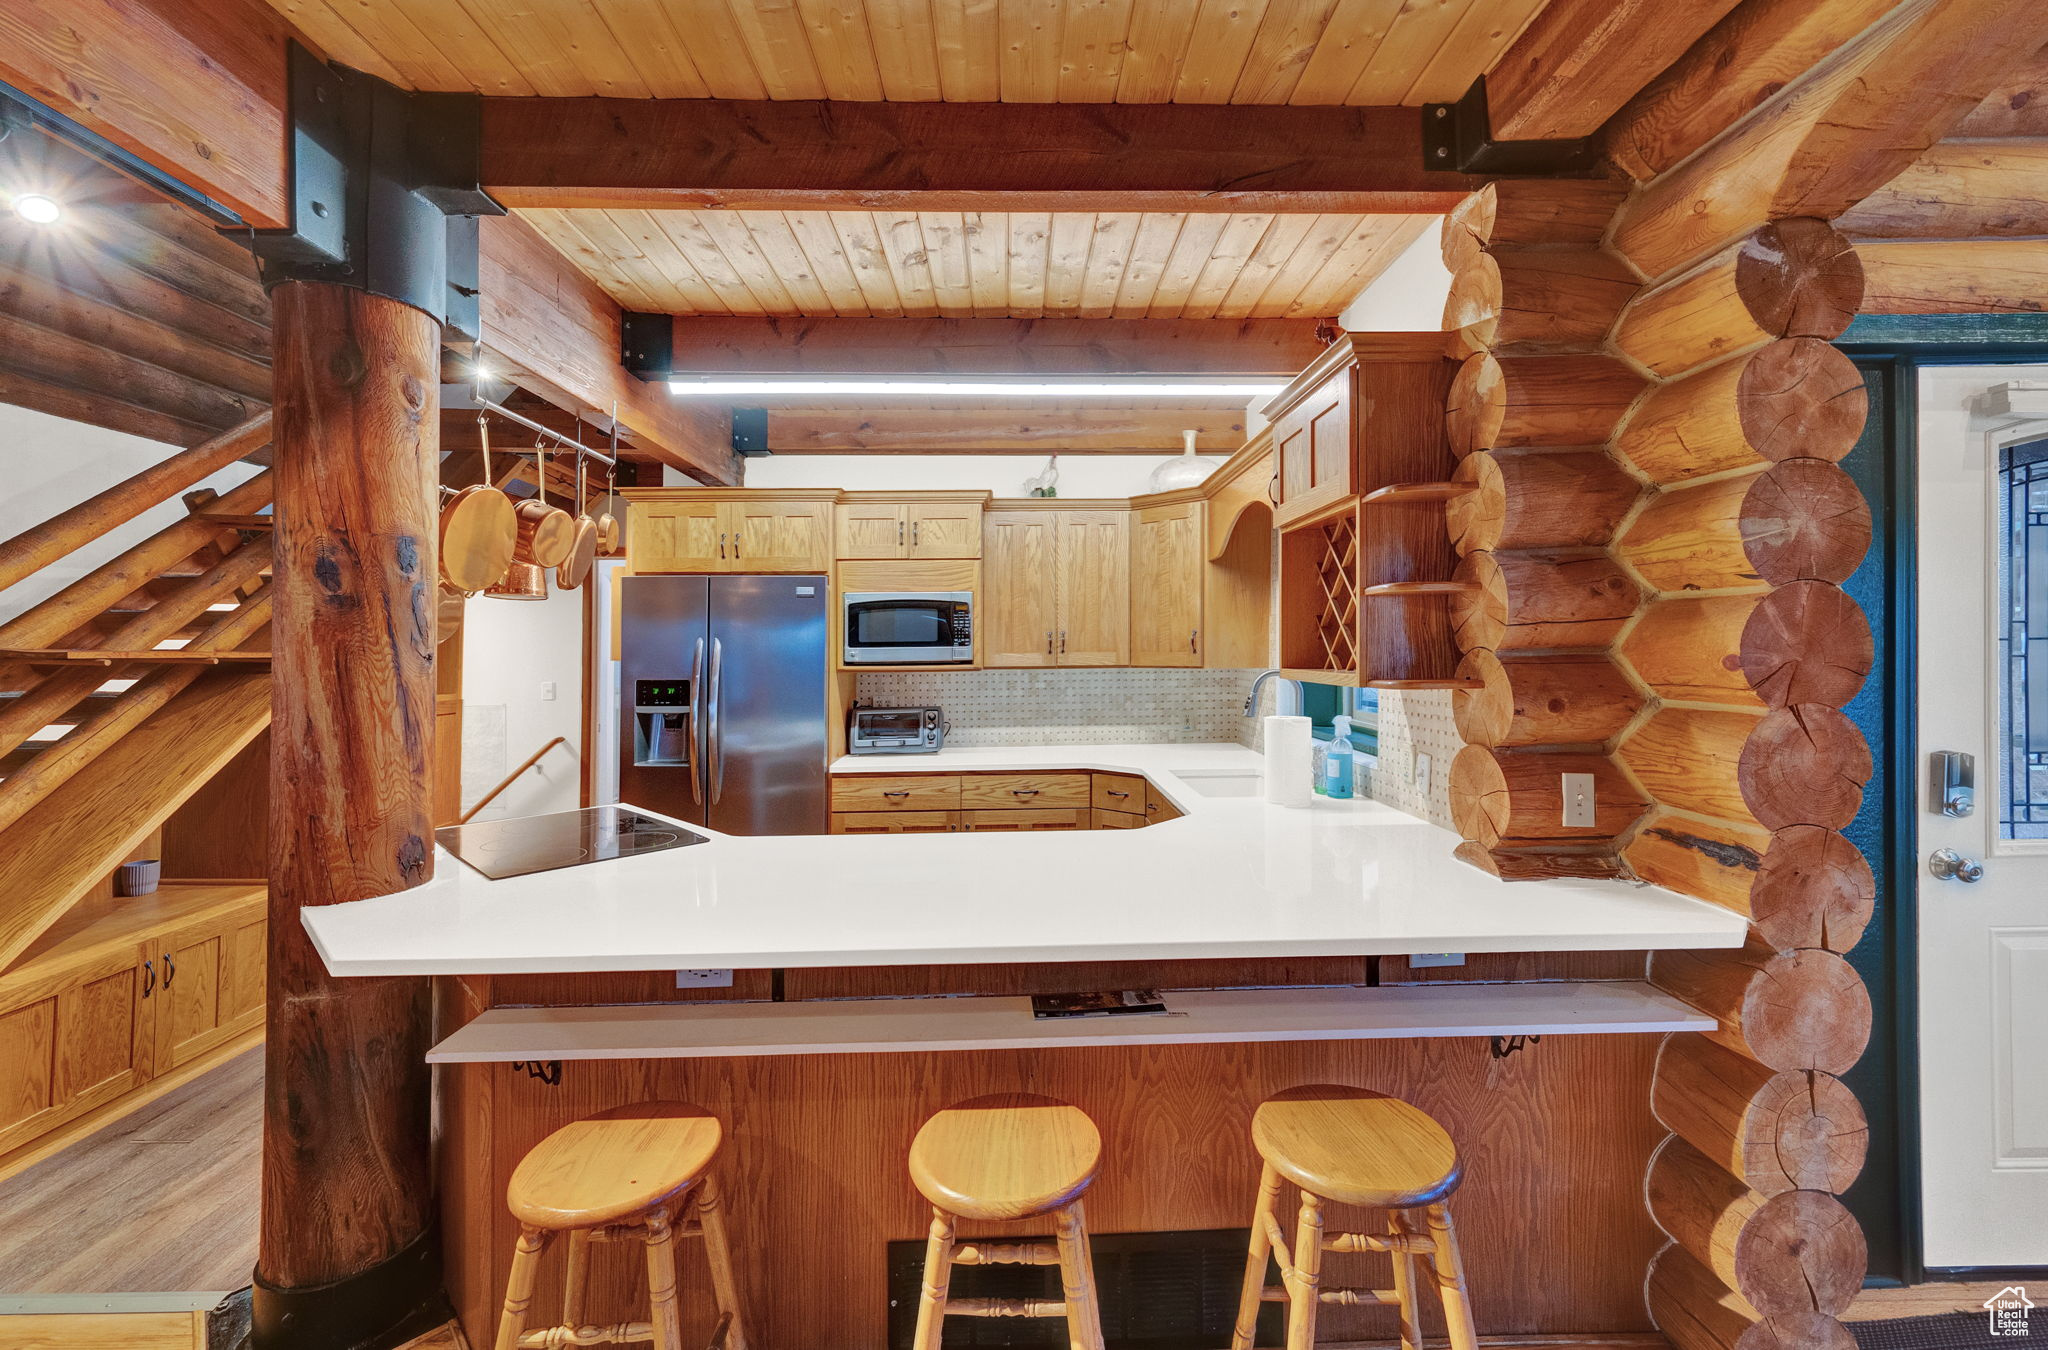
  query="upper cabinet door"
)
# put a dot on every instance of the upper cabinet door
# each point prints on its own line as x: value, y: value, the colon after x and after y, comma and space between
x: 1166, y: 586
x: 943, y: 530
x: 873, y: 530
x: 1016, y: 616
x: 1094, y: 588
x: 1313, y: 441
x: 778, y: 536
x: 685, y: 536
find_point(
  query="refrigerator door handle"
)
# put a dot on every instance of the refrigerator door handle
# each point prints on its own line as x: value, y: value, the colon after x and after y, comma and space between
x: 717, y: 737
x: 696, y: 720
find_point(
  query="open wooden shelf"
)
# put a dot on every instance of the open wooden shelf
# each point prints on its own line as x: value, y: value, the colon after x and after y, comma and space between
x: 1198, y: 1017
x: 1398, y: 588
x: 127, y: 920
x: 1452, y: 683
x: 1428, y: 494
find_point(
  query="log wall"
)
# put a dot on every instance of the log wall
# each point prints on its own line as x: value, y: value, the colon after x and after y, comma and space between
x: 1657, y: 528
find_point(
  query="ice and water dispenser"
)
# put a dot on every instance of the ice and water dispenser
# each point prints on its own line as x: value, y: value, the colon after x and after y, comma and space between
x: 661, y: 723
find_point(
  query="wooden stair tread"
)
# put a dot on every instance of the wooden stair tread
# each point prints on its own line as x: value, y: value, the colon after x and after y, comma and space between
x: 61, y: 847
x: 101, y: 656
x: 1416, y: 492
x: 1386, y: 588
x: 131, y: 920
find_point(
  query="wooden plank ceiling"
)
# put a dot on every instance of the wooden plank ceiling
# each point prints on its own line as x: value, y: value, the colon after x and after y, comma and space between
x: 1356, y: 52
x: 957, y: 264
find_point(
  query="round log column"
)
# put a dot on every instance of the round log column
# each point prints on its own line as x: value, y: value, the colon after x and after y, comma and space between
x: 1535, y: 499
x: 1796, y: 398
x: 1801, y: 520
x: 346, y: 1252
x: 1695, y: 1311
x: 1498, y: 402
x: 1541, y: 600
x: 1799, y: 1010
x: 1714, y: 860
x: 1775, y: 1132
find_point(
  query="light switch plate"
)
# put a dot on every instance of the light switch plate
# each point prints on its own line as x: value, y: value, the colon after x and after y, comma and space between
x: 703, y: 979
x: 1422, y: 773
x: 1578, y: 800
x: 547, y: 691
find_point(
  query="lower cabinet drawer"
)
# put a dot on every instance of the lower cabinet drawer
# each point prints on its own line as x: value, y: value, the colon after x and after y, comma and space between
x: 1119, y: 792
x: 1117, y: 820
x: 907, y: 792
x: 1157, y: 808
x: 894, y: 822
x: 1038, y: 791
x: 1073, y: 819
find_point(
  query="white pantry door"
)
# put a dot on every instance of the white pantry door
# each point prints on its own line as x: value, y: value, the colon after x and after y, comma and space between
x: 1983, y: 690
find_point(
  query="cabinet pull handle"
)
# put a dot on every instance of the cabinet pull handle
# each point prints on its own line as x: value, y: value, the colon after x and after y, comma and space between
x: 721, y: 544
x: 899, y: 534
x: 148, y: 978
x: 1063, y: 642
x: 170, y: 970
x: 1191, y: 640
x: 1024, y: 792
x: 904, y: 793
x: 1114, y: 793
x: 1048, y: 643
x: 916, y: 529
x: 735, y: 545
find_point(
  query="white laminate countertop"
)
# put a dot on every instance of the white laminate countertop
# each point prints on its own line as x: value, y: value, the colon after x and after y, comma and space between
x: 1233, y: 877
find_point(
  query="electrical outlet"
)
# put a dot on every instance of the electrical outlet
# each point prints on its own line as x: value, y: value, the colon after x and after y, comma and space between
x: 1426, y: 960
x: 1578, y: 800
x: 1421, y: 774
x: 703, y: 979
x: 547, y: 691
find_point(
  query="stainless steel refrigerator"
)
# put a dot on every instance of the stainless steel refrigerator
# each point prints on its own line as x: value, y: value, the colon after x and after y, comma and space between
x: 722, y: 700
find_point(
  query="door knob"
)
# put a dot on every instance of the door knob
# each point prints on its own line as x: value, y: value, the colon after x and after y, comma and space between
x: 1950, y: 865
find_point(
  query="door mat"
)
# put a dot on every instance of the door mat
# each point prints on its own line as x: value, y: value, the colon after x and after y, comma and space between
x: 1943, y: 1331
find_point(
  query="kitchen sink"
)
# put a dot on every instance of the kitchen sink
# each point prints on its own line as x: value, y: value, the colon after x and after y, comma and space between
x: 1227, y: 785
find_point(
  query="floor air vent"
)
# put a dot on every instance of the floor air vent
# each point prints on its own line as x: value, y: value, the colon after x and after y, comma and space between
x: 1159, y: 1291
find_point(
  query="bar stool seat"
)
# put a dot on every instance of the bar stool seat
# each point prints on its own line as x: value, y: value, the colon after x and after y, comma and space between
x: 635, y: 1173
x: 613, y: 1165
x: 1356, y: 1146
x: 1007, y: 1156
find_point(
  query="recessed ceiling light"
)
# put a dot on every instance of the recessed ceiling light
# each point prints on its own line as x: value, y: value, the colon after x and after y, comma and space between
x: 38, y: 209
x: 975, y: 388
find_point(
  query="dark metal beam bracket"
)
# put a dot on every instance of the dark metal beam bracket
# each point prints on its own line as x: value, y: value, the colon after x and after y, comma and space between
x: 1460, y: 136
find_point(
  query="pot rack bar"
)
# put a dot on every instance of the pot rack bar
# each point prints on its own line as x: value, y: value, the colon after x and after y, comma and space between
x: 483, y: 404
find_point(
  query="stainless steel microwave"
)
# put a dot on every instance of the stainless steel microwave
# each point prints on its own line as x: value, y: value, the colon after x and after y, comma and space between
x: 909, y: 628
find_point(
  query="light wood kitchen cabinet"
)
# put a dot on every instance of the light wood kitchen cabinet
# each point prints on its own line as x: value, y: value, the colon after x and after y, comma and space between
x: 1312, y: 442
x: 699, y: 530
x: 936, y: 526
x: 210, y: 986
x: 904, y: 792
x: 895, y: 822
x: 1167, y: 576
x: 71, y: 1039
x: 1062, y: 799
x: 1092, y: 582
x: 1016, y: 616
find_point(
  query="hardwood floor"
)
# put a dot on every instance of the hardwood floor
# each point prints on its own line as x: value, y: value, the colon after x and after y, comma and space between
x: 1926, y: 1300
x: 163, y: 1199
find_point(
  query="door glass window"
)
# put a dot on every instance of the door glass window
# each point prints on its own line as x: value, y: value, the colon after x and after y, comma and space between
x: 2023, y: 641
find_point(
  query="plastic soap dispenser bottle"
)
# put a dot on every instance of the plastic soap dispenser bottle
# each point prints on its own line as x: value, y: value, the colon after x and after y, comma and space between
x: 1339, y: 761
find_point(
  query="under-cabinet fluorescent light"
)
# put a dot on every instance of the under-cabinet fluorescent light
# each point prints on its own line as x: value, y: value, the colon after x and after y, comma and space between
x: 974, y: 388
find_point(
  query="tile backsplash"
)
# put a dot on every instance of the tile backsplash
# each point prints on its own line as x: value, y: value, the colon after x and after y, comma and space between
x: 1071, y: 707
x: 1412, y: 721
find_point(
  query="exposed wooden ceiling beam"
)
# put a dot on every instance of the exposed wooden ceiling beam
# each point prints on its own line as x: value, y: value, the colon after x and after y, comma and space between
x: 2018, y: 107
x: 1826, y: 142
x: 549, y: 329
x: 195, y: 87
x: 1972, y: 276
x: 595, y: 152
x: 1579, y: 61
x: 1744, y: 60
x: 1960, y: 190
x: 942, y: 431
x: 1069, y: 347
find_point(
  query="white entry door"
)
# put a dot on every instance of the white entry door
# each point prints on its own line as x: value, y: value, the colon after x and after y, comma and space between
x: 1983, y: 691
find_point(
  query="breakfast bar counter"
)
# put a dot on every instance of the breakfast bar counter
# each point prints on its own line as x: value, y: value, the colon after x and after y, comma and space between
x: 1233, y: 877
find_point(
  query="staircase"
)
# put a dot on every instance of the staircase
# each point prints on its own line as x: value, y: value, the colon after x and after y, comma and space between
x: 123, y: 694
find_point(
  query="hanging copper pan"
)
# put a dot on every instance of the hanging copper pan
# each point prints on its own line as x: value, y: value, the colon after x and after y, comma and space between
x: 569, y: 574
x: 522, y: 581
x: 546, y: 533
x: 607, y: 523
x: 477, y: 530
x: 448, y: 614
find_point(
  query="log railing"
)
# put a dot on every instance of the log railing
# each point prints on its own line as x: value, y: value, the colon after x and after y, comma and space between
x: 162, y: 589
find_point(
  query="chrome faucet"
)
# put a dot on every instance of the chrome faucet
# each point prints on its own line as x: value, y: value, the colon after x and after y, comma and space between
x: 1286, y: 704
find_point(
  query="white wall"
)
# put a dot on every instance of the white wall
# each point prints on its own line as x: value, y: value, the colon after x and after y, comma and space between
x: 1409, y: 296
x: 510, y: 648
x: 52, y: 465
x: 1081, y: 474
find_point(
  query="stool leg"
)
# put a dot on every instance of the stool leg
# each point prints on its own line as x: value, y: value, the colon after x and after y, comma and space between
x: 576, y: 1277
x: 1255, y: 1261
x: 519, y: 1287
x: 1308, y: 1275
x: 1450, y: 1279
x: 1406, y: 1285
x: 938, y: 1277
x: 718, y: 1253
x: 666, y: 1318
x: 1077, y: 1279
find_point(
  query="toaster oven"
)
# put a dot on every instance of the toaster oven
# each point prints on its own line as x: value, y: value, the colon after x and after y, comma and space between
x: 895, y: 731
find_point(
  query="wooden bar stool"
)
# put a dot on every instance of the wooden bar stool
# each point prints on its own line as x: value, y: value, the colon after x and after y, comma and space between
x: 634, y: 1173
x: 1010, y: 1156
x: 1355, y: 1147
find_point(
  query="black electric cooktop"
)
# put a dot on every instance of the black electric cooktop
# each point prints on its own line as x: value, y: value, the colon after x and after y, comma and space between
x: 513, y: 848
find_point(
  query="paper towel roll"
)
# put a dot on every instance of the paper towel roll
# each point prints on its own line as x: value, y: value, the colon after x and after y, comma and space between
x: 1287, y: 762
